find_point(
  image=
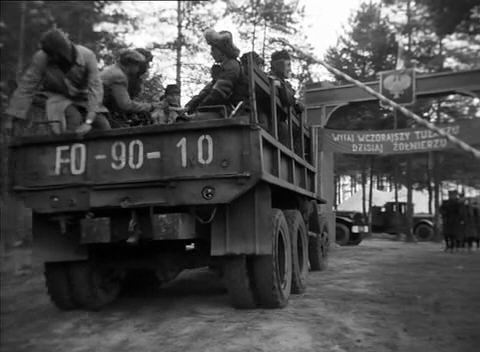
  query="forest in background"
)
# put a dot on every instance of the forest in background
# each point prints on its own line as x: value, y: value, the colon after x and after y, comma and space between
x: 437, y: 36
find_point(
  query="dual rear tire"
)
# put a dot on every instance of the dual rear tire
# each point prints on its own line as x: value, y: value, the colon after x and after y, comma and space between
x: 73, y: 285
x: 267, y: 280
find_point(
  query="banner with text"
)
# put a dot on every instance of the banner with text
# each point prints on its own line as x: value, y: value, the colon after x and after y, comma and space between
x: 407, y: 140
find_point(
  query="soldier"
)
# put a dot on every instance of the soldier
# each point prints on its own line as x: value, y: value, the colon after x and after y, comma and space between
x: 451, y: 211
x: 170, y: 108
x: 225, y: 74
x: 116, y: 79
x: 476, y: 220
x: 471, y: 223
x: 263, y: 118
x: 65, y: 76
x: 256, y: 59
x: 136, y: 85
x: 281, y: 70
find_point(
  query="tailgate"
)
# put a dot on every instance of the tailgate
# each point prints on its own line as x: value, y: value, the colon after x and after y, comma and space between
x: 126, y: 158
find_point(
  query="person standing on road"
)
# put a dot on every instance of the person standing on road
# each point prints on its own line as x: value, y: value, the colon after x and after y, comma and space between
x: 470, y: 213
x: 451, y: 211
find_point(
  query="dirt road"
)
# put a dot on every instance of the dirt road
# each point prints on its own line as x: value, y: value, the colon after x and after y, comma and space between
x: 380, y: 296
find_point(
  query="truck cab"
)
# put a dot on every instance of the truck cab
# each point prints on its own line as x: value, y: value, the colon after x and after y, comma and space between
x: 392, y: 218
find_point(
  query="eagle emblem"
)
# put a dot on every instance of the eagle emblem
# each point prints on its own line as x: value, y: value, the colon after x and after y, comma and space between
x: 397, y: 83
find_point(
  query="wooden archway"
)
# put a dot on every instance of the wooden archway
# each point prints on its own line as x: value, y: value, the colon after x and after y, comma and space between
x: 323, y: 101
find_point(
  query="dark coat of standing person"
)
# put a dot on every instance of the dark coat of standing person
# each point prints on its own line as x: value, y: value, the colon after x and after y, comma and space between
x: 471, y: 225
x: 225, y: 75
x: 453, y: 220
x: 66, y: 76
x: 116, y: 79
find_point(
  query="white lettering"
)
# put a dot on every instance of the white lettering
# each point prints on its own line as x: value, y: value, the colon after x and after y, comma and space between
x: 201, y: 158
x: 182, y: 144
x: 135, y: 151
x: 119, y: 151
x: 78, y: 158
x: 59, y: 160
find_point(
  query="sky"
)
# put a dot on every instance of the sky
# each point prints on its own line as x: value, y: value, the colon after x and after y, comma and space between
x: 323, y: 23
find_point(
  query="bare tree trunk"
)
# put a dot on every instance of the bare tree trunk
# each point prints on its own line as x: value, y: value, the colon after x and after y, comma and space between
x: 370, y: 193
x: 436, y: 193
x: 429, y: 181
x: 179, y: 43
x: 21, y: 39
x: 254, y: 15
x: 364, y: 186
x: 335, y: 191
x: 409, y: 234
x: 264, y: 39
x: 395, y: 161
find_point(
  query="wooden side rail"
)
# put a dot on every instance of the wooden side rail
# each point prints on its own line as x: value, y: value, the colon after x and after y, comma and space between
x: 261, y: 89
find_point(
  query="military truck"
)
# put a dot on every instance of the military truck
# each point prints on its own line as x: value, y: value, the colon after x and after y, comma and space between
x: 220, y: 192
x: 350, y: 228
x: 392, y: 218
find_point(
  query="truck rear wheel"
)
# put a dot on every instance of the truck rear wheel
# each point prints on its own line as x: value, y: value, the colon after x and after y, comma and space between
x: 424, y: 232
x: 94, y: 287
x: 58, y: 285
x: 237, y: 280
x: 318, y: 247
x: 342, y: 234
x: 272, y: 274
x: 299, y: 240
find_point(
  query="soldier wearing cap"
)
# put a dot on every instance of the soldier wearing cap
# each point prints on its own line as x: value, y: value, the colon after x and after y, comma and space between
x: 281, y: 70
x: 116, y: 80
x: 136, y: 84
x: 170, y: 108
x: 221, y: 89
x: 453, y: 220
x: 66, y: 77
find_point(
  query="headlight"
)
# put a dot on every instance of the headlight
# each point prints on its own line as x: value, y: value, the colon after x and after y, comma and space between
x: 355, y: 229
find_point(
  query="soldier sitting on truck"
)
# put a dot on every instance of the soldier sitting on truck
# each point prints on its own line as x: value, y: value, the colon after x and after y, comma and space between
x: 135, y: 86
x: 65, y: 76
x: 116, y: 79
x: 281, y: 70
x: 170, y: 109
x: 225, y: 75
x: 263, y: 118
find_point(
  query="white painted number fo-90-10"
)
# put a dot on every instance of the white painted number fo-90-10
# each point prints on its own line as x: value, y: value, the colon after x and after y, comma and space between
x: 135, y: 155
x: 75, y: 156
x: 204, y: 155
